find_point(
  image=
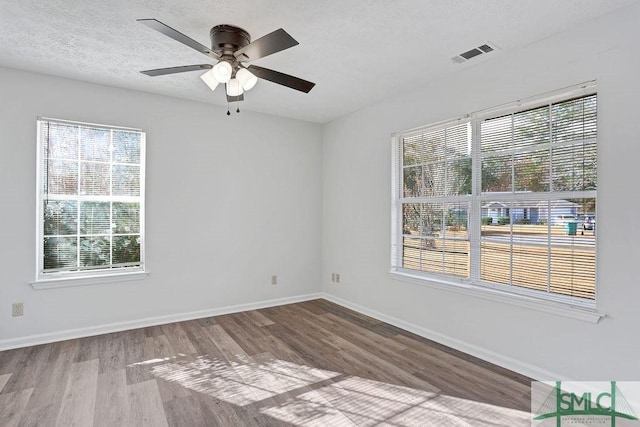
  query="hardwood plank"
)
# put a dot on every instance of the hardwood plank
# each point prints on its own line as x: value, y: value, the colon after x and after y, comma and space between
x: 227, y: 346
x: 314, y: 337
x: 201, y: 340
x: 153, y: 331
x: 111, y: 399
x: 78, y: 404
x: 280, y: 350
x: 312, y: 410
x: 365, y: 337
x: 381, y: 370
x: 157, y: 347
x: 89, y: 348
x: 172, y: 390
x: 315, y: 352
x: 27, y: 368
x: 158, y: 352
x: 357, y: 318
x: 242, y: 333
x: 205, y: 321
x: 46, y: 399
x: 134, y: 349
x: 12, y: 406
x: 419, y: 342
x: 487, y: 386
x: 3, y: 380
x: 178, y: 339
x: 313, y: 306
x: 168, y: 388
x: 258, y: 318
x: 112, y: 356
x: 10, y: 358
x: 203, y: 411
x: 145, y: 405
x: 460, y: 363
x: 366, y: 344
x: 218, y: 412
x: 185, y: 411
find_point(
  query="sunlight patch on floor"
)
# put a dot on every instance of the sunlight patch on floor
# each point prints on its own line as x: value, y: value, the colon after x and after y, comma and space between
x: 307, y: 396
x: 362, y: 402
x: 240, y: 382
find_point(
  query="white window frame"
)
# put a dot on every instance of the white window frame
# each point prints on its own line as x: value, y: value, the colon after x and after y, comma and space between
x: 573, y: 307
x: 49, y: 280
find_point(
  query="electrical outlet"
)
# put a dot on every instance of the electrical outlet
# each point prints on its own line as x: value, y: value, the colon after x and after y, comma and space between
x: 337, y: 278
x: 17, y: 309
x: 333, y: 277
x: 274, y: 280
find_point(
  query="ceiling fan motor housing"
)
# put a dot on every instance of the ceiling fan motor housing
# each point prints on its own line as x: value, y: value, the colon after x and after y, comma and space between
x: 226, y: 39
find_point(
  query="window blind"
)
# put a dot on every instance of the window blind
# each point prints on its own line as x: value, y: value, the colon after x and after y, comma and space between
x: 91, y: 199
x: 539, y: 173
x: 436, y: 173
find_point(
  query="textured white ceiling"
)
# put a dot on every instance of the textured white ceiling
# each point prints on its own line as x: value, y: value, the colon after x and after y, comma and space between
x: 357, y: 52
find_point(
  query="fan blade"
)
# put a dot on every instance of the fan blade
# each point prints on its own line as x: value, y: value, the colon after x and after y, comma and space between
x: 174, y: 70
x: 178, y: 36
x: 235, y: 98
x: 266, y: 45
x: 281, y: 78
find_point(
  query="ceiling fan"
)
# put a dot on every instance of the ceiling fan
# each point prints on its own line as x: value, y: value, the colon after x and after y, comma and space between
x: 232, y: 48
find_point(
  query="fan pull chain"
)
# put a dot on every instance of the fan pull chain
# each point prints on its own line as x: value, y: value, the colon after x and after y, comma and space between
x: 228, y: 112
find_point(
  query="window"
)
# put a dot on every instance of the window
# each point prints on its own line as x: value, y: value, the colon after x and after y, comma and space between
x: 90, y: 200
x: 504, y: 199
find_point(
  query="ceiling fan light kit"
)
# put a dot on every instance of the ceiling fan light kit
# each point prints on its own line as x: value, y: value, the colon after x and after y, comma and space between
x: 210, y: 80
x: 232, y: 48
x: 234, y: 88
x: 222, y: 71
x: 246, y: 78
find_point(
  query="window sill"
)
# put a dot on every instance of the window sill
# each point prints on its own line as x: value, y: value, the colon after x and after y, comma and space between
x: 66, y: 282
x: 585, y: 314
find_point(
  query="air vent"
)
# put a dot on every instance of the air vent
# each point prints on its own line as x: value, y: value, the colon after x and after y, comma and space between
x: 476, y: 51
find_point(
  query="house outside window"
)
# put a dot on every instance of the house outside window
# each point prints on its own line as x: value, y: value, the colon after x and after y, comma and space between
x: 90, y: 200
x: 495, y: 199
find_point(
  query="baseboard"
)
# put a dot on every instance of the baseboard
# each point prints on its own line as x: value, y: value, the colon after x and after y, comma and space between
x: 150, y: 321
x: 526, y: 369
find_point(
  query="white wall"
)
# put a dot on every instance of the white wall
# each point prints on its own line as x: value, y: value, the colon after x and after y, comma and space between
x: 230, y: 202
x: 356, y: 176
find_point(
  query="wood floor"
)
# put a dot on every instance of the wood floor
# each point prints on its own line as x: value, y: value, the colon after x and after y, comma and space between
x: 307, y: 364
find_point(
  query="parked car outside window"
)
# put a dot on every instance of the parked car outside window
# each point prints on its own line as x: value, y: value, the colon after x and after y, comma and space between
x: 589, y: 222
